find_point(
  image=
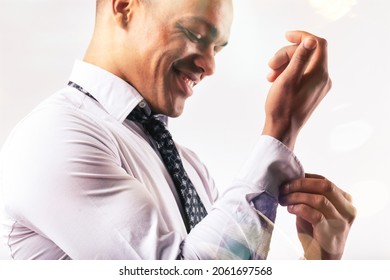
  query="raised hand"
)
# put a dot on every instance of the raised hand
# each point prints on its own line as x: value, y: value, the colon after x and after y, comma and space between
x: 299, y: 73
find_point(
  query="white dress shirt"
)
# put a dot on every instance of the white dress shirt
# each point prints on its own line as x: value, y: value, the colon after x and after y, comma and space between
x: 80, y: 181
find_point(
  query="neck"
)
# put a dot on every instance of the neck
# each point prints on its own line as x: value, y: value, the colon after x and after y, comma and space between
x: 97, y: 52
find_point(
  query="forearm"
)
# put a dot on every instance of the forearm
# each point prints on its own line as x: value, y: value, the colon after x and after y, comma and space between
x: 241, y: 222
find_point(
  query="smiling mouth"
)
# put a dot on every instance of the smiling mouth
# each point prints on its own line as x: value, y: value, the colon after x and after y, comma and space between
x: 187, y: 82
x: 190, y: 83
x: 186, y: 78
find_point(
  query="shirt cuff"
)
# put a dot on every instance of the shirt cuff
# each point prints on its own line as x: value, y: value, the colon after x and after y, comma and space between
x: 267, y: 205
x: 270, y: 165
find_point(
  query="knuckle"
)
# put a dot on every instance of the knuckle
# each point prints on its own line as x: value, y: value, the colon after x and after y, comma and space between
x: 324, y: 75
x: 323, y: 78
x: 285, y: 57
x: 302, y: 57
x: 318, y: 218
x: 329, y: 84
x: 321, y: 202
x: 288, y: 84
x: 322, y: 42
x: 328, y: 186
x: 352, y: 211
x: 325, y: 202
x: 340, y: 225
x: 348, y: 197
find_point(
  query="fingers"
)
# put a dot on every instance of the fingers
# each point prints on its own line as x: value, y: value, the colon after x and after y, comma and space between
x: 320, y: 194
x: 301, y: 59
x: 295, y: 57
x: 346, y: 195
x: 297, y: 36
x: 307, y: 213
x: 282, y: 57
x: 275, y: 73
x: 280, y: 61
x: 307, y: 54
x: 324, y: 215
x: 292, y: 59
x: 313, y: 208
x: 300, y: 81
x: 320, y: 56
x: 314, y: 176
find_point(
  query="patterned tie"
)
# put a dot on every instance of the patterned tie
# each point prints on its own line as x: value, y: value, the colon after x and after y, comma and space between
x: 193, y: 206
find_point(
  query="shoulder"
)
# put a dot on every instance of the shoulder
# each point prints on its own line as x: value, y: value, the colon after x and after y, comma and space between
x: 56, y: 130
x: 48, y: 147
x: 59, y: 118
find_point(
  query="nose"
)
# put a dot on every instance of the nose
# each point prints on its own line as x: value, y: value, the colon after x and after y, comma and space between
x: 206, y: 62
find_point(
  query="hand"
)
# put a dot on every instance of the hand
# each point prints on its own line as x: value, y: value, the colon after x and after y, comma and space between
x: 324, y: 215
x: 299, y: 73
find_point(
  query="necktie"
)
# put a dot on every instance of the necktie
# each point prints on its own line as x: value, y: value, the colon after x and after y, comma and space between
x: 190, y: 200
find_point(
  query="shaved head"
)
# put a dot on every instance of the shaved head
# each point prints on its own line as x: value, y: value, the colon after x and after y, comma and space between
x: 100, y: 4
x: 161, y: 48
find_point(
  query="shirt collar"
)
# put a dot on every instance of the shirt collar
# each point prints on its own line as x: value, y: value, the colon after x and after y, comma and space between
x: 116, y: 96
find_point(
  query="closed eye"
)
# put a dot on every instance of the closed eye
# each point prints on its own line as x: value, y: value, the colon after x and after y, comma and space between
x: 195, y: 37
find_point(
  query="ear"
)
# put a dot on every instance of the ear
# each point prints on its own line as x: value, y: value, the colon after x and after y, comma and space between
x: 123, y: 10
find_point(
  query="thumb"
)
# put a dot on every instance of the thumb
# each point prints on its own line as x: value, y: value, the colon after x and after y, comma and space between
x: 301, y: 58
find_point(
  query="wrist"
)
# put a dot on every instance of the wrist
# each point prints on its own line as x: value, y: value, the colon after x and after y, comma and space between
x: 281, y: 131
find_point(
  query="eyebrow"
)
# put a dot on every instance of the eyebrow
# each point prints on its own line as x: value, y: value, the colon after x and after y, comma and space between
x: 214, y: 32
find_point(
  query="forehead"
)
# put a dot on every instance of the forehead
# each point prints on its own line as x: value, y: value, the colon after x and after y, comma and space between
x: 221, y: 9
x: 217, y: 13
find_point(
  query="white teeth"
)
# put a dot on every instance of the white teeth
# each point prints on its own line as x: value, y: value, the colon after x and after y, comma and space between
x: 189, y: 83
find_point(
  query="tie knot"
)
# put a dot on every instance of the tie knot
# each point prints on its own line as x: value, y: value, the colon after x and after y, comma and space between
x: 140, y: 115
x: 150, y: 122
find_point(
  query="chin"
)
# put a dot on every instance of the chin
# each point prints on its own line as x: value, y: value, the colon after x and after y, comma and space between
x: 174, y: 113
x: 172, y: 108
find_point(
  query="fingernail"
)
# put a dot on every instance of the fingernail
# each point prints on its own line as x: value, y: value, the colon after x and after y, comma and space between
x: 309, y: 43
x: 270, y: 75
x: 285, y: 188
x: 290, y: 208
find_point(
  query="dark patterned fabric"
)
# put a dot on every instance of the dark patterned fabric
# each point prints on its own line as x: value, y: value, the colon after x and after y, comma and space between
x: 76, y: 86
x: 193, y: 206
x: 189, y: 198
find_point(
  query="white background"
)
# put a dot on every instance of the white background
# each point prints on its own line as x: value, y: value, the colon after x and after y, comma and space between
x: 346, y: 139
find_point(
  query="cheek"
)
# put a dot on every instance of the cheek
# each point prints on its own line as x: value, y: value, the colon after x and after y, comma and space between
x: 161, y: 64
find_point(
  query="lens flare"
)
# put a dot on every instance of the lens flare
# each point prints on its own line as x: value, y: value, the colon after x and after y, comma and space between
x: 333, y: 9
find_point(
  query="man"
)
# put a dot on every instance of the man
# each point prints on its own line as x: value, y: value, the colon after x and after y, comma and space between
x: 89, y: 173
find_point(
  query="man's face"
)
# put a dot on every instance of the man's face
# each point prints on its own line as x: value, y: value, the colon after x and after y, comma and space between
x: 175, y: 45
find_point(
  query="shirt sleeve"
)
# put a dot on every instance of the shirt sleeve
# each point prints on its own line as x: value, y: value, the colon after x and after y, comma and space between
x: 64, y: 184
x: 240, y: 224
